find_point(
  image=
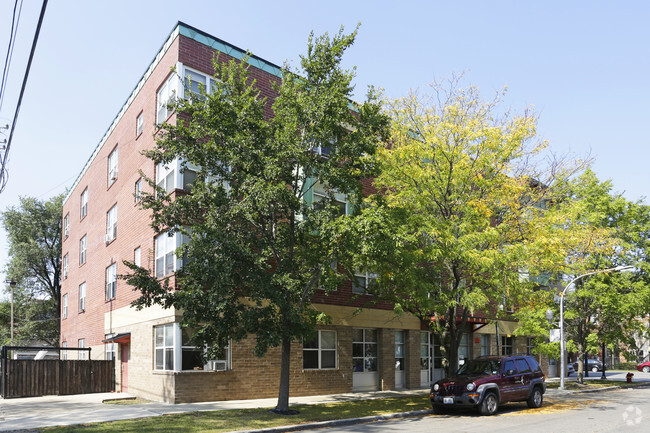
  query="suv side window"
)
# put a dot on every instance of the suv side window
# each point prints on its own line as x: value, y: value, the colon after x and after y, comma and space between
x: 522, y: 365
x: 534, y: 365
x: 509, y: 368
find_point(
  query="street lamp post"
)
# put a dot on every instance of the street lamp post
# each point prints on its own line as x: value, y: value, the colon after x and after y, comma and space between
x: 562, y: 344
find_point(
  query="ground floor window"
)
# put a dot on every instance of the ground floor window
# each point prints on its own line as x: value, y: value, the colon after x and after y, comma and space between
x: 463, y: 349
x: 174, y: 351
x: 485, y: 345
x: 506, y: 345
x: 399, y: 350
x: 64, y: 353
x: 424, y: 350
x: 81, y: 343
x: 529, y: 345
x: 364, y: 350
x: 110, y: 351
x: 320, y: 351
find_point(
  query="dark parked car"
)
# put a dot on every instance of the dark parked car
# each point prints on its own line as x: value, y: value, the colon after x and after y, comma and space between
x: 644, y: 367
x: 488, y: 381
x: 592, y: 365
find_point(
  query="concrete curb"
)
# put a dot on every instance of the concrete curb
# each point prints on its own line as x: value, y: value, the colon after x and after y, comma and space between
x: 339, y: 422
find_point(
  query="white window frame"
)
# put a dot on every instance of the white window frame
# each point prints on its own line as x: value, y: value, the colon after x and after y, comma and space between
x: 83, y: 249
x: 165, y: 247
x: 66, y: 266
x: 66, y: 226
x: 64, y: 306
x: 81, y: 344
x: 168, y: 339
x: 83, y: 210
x: 112, y: 166
x: 320, y: 194
x: 193, y: 76
x: 366, y: 278
x: 400, y: 350
x: 111, y: 281
x: 320, y: 350
x: 166, y: 94
x: 82, y: 297
x: 63, y: 354
x: 111, y: 224
x: 139, y: 124
x: 175, y: 175
x: 138, y: 190
x: 137, y: 256
x: 109, y: 351
x: 486, y: 349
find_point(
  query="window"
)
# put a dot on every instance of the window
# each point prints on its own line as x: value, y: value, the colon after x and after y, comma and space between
x: 166, y: 245
x: 364, y: 350
x: 463, y: 348
x: 324, y: 150
x: 111, y: 224
x: 485, y: 345
x: 139, y: 124
x: 84, y: 203
x: 399, y: 350
x: 166, y: 176
x: 530, y: 345
x: 82, y: 297
x: 112, y: 167
x: 138, y: 190
x: 81, y: 343
x: 319, y: 352
x: 506, y: 345
x: 166, y: 95
x: 136, y: 256
x: 522, y: 365
x: 363, y: 281
x: 64, y: 353
x: 322, y: 195
x: 174, y: 351
x: 110, y: 350
x: 111, y: 281
x: 66, y: 267
x: 66, y: 226
x: 164, y: 347
x: 82, y: 249
x: 194, y: 82
x: 424, y: 351
x: 64, y: 306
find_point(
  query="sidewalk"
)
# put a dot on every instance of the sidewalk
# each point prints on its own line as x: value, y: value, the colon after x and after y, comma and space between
x: 35, y: 412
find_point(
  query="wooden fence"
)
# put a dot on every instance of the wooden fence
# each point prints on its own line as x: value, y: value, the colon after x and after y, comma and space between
x: 32, y: 378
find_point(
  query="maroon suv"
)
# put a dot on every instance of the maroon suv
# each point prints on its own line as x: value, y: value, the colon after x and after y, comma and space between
x: 488, y: 381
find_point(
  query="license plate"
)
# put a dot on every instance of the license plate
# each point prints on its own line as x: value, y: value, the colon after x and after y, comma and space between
x: 448, y: 400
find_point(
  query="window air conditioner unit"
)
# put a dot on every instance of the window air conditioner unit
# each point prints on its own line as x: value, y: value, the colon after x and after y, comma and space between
x: 217, y: 365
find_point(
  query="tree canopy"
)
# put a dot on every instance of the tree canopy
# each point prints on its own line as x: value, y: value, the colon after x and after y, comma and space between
x: 467, y: 217
x: 34, y: 233
x: 259, y: 239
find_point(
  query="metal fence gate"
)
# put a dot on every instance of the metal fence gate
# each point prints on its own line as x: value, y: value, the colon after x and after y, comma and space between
x: 37, y: 377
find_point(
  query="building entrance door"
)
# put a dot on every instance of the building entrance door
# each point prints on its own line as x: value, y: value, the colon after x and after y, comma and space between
x: 365, y: 376
x: 126, y: 354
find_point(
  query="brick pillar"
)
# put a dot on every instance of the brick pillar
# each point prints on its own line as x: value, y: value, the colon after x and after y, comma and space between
x: 345, y: 355
x: 412, y: 348
x: 386, y: 359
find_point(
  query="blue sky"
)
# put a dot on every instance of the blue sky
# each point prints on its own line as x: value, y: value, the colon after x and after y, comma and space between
x: 584, y: 66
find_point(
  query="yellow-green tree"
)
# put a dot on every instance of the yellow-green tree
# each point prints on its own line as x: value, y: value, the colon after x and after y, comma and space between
x: 468, y: 208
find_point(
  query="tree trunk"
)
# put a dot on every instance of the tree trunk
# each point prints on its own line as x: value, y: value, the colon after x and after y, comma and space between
x: 282, y: 407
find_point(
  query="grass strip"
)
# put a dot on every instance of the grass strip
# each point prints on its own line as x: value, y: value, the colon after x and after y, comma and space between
x: 250, y: 419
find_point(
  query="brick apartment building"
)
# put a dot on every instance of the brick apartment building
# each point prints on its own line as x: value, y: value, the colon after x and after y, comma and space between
x: 104, y: 225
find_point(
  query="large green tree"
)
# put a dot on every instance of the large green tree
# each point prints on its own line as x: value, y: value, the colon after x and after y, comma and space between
x: 467, y: 207
x: 258, y: 244
x: 34, y: 234
x: 603, y: 308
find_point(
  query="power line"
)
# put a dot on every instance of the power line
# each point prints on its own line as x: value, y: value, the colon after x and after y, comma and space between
x: 10, y: 50
x: 20, y: 98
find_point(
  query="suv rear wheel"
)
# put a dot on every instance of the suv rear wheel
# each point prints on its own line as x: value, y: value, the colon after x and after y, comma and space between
x: 489, y: 405
x: 536, y: 398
